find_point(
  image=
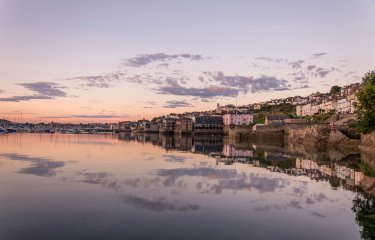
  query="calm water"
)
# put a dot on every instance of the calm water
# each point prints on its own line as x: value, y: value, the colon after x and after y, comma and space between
x: 112, y: 186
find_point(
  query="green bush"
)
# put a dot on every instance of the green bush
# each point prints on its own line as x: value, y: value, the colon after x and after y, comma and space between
x: 366, y: 104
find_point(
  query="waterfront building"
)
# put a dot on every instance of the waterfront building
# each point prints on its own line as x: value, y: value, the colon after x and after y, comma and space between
x: 238, y: 119
x: 167, y: 125
x: 151, y: 127
x: 184, y: 125
x: 124, y: 126
x: 208, y: 124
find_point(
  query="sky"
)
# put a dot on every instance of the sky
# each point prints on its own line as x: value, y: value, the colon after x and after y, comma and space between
x: 108, y: 61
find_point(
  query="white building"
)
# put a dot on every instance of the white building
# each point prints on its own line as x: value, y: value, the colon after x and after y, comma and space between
x: 238, y: 119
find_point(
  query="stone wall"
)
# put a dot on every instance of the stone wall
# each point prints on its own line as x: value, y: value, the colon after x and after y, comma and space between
x: 311, y: 134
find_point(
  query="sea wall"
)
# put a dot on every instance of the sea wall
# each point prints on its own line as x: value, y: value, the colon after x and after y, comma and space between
x: 308, y: 134
x: 266, y: 134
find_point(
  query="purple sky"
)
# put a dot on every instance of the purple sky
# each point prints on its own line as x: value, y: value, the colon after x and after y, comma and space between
x: 111, y: 60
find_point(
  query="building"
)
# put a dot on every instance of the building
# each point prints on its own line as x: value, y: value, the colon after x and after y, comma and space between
x: 167, y: 125
x: 124, y: 126
x: 151, y: 127
x: 184, y: 125
x: 225, y: 109
x: 238, y: 119
x: 275, y: 120
x: 208, y: 124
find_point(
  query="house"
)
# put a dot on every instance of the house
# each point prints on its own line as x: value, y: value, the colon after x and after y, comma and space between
x: 151, y: 127
x: 327, y: 105
x: 299, y: 110
x: 124, y: 126
x: 350, y: 89
x: 225, y: 109
x: 184, y: 125
x: 238, y: 119
x: 210, y: 124
x: 167, y: 125
x: 258, y: 106
x: 275, y: 120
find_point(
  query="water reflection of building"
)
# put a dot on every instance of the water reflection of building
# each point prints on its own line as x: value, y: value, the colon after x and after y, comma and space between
x: 183, y: 142
x: 349, y: 176
x: 341, y: 173
x: 207, y: 144
x: 231, y: 151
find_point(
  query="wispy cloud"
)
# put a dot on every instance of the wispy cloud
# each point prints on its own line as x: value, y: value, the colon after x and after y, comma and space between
x: 99, y: 81
x: 43, y: 90
x: 293, y: 25
x: 204, y: 92
x: 274, y: 60
x: 296, y: 64
x: 99, y: 116
x: 321, y: 72
x: 318, y: 55
x: 244, y: 84
x: 311, y: 67
x: 145, y: 59
x: 176, y: 104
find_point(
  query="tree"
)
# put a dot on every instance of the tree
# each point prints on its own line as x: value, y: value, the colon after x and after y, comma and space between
x: 364, y: 208
x: 366, y: 104
x: 335, y: 89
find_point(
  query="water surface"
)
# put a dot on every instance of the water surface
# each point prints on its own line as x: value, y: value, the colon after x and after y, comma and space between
x: 110, y: 186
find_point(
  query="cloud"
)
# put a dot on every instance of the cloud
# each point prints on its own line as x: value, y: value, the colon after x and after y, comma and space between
x: 100, y: 81
x: 24, y: 98
x: 176, y: 104
x: 2, y: 91
x: 204, y: 92
x: 293, y: 25
x: 321, y: 72
x: 245, y: 84
x: 43, y: 90
x: 274, y: 60
x: 145, y: 59
x: 99, y: 116
x: 311, y: 67
x: 296, y: 64
x: 269, y: 83
x: 153, y: 103
x: 242, y: 83
x: 318, y: 55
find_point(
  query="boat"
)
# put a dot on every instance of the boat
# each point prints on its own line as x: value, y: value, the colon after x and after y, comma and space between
x: 2, y: 130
